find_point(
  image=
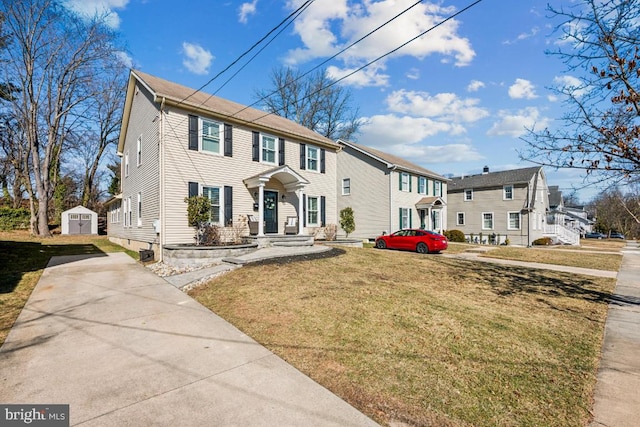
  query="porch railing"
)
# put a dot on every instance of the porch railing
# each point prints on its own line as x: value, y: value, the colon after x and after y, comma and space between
x: 563, y: 234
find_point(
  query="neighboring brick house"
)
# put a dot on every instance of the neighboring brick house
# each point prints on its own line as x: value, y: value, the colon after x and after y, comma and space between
x: 493, y: 206
x: 388, y: 193
x: 176, y: 142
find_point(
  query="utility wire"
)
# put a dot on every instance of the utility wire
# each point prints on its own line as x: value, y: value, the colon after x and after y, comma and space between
x: 380, y: 57
x: 303, y: 6
x: 332, y: 57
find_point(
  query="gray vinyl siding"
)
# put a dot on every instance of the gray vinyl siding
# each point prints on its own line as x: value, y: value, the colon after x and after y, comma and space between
x: 144, y: 178
x: 184, y: 166
x: 491, y: 200
x: 369, y: 196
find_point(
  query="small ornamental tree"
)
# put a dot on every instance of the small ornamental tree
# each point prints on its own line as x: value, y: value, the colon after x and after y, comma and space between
x: 198, y: 209
x: 347, y: 222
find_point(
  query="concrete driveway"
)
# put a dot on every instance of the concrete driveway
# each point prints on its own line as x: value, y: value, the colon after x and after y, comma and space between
x: 123, y: 347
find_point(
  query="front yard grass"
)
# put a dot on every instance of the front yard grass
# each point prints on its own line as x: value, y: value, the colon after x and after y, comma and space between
x: 23, y: 260
x: 597, y: 261
x: 428, y: 340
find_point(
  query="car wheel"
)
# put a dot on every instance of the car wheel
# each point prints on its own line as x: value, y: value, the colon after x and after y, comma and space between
x: 380, y: 244
x: 422, y: 248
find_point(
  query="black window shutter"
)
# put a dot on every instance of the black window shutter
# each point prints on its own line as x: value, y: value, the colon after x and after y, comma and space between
x: 281, y: 151
x: 193, y: 132
x: 304, y: 210
x: 322, y: 156
x: 228, y: 140
x: 256, y: 146
x: 193, y: 189
x: 228, y: 205
x: 410, y: 180
x: 323, y: 216
x: 303, y: 156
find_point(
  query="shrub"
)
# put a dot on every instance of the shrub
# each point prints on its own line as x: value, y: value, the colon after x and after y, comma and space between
x: 209, y: 235
x: 543, y: 241
x: 14, y: 219
x: 347, y: 222
x: 330, y: 232
x: 455, y: 236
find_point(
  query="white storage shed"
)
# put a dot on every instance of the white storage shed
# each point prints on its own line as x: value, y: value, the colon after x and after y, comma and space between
x: 79, y: 220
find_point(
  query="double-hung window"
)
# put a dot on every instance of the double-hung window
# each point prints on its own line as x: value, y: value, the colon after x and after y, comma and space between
x: 405, y: 218
x: 460, y: 218
x: 422, y: 185
x: 210, y: 136
x: 139, y: 209
x: 269, y: 150
x: 313, y: 212
x: 436, y: 219
x: 126, y: 164
x: 507, y: 192
x: 437, y: 188
x: 313, y: 158
x: 346, y: 186
x: 213, y: 194
x: 404, y: 181
x: 514, y: 221
x: 139, y: 151
x: 468, y: 195
x: 487, y: 220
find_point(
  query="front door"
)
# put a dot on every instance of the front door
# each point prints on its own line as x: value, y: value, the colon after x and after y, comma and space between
x: 270, y: 211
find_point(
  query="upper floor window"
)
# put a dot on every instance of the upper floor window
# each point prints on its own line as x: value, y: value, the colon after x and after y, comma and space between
x: 346, y: 186
x: 269, y: 149
x: 422, y: 185
x: 468, y: 195
x: 126, y: 164
x: 437, y: 188
x: 210, y: 136
x: 507, y: 192
x: 139, y: 151
x: 405, y: 181
x: 313, y: 158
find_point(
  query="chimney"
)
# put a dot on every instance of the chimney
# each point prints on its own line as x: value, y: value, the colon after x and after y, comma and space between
x: 485, y: 170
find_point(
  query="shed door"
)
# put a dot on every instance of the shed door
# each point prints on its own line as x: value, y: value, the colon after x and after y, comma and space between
x: 79, y: 224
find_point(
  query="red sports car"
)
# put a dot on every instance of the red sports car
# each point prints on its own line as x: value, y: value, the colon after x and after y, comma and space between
x: 422, y: 241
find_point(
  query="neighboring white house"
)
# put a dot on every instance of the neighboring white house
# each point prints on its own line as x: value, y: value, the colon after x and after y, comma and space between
x: 494, y: 206
x: 176, y: 142
x: 388, y: 193
x: 79, y: 220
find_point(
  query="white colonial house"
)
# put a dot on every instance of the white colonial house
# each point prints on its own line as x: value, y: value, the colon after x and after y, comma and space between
x: 263, y: 174
x: 388, y: 193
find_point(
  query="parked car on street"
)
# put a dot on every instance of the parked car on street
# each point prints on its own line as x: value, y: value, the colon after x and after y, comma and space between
x: 616, y: 235
x: 595, y: 235
x: 422, y: 241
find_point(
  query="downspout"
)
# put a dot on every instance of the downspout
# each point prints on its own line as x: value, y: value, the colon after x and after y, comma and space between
x: 163, y: 222
x: 391, y: 169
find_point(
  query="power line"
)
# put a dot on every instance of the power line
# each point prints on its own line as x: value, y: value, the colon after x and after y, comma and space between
x: 378, y: 58
x: 303, y: 6
x: 334, y: 56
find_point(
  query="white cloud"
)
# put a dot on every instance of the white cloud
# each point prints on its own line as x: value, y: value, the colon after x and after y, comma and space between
x: 197, y: 59
x: 370, y: 76
x: 475, y: 85
x: 522, y: 89
x: 247, y: 9
x: 515, y: 125
x: 413, y: 74
x: 126, y: 59
x: 570, y: 84
x: 524, y: 36
x: 443, y: 106
x: 100, y: 8
x: 325, y: 30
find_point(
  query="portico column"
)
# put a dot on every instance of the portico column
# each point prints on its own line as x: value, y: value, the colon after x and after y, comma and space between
x: 300, y: 212
x: 261, y: 209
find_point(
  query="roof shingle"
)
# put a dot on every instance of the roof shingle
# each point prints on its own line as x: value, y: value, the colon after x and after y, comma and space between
x: 493, y: 179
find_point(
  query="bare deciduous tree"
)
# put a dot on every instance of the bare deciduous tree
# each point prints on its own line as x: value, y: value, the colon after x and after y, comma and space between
x: 600, y: 133
x: 313, y: 101
x: 55, y: 58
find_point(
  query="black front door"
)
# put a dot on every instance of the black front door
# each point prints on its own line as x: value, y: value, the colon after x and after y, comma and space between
x: 270, y: 211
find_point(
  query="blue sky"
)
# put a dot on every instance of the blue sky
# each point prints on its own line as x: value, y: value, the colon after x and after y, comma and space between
x: 453, y: 101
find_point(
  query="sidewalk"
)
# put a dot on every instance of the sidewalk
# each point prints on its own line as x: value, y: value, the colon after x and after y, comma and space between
x: 123, y: 347
x: 617, y: 394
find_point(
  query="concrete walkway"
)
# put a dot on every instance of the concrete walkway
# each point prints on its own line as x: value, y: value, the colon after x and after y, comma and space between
x: 617, y: 394
x: 123, y: 347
